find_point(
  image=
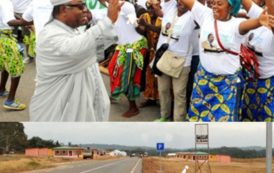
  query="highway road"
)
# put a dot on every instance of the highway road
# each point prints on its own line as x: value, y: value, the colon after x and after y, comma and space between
x: 126, y: 165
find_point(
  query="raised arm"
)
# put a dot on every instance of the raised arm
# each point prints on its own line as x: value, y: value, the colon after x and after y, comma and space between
x: 250, y: 24
x: 19, y: 22
x: 188, y: 3
x: 247, y: 4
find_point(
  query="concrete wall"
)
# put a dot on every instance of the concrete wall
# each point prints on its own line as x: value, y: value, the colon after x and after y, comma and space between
x: 220, y: 158
x: 38, y: 152
x: 68, y: 153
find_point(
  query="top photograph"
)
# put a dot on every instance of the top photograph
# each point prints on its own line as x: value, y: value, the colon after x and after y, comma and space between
x: 137, y: 60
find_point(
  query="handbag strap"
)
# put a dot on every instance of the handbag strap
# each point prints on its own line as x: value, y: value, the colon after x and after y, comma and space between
x: 219, y: 41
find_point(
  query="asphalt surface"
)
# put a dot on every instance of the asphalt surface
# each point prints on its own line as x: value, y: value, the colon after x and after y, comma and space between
x: 26, y: 88
x: 126, y: 165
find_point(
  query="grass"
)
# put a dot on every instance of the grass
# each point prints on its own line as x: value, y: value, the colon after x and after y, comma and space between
x: 174, y: 165
x: 20, y: 163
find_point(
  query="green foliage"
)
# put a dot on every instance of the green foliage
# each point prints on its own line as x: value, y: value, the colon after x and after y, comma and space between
x: 12, y: 137
x: 37, y: 142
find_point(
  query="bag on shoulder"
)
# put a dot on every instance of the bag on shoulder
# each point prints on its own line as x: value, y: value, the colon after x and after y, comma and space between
x: 162, y: 49
x: 249, y: 63
x: 171, y: 64
x: 248, y: 59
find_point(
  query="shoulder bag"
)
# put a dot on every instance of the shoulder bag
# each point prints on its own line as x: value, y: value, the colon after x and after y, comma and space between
x: 248, y: 59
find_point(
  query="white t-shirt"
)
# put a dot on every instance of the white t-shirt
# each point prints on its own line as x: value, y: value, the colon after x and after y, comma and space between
x: 261, y: 40
x: 181, y: 38
x: 98, y: 14
x: 126, y: 32
x: 195, y: 42
x: 142, y: 3
x: 20, y: 6
x: 212, y: 58
x: 39, y: 11
x: 166, y: 6
x: 6, y: 14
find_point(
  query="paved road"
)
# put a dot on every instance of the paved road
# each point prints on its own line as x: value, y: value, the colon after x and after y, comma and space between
x: 26, y: 88
x: 127, y: 165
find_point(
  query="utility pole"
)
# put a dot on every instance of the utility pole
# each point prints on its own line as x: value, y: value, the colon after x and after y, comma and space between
x: 269, y: 147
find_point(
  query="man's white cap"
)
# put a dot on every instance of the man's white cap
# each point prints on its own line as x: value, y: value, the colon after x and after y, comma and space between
x: 59, y: 2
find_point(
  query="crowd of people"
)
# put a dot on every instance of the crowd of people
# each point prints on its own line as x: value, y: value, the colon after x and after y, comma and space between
x: 72, y: 36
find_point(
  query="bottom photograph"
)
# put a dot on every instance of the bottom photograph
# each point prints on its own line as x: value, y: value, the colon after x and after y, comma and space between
x: 136, y: 147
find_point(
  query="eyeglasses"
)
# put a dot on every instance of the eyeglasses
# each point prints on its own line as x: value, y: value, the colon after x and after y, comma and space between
x: 81, y: 6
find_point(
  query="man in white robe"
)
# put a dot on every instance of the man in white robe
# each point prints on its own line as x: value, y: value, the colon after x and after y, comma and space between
x: 69, y: 86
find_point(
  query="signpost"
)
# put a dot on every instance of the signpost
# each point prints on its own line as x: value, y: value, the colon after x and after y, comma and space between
x: 160, y: 147
x: 268, y: 147
x: 201, y: 141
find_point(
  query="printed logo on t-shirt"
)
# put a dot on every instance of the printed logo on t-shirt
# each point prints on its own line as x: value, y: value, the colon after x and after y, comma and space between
x: 167, y: 30
x: 210, y: 44
x: 254, y: 43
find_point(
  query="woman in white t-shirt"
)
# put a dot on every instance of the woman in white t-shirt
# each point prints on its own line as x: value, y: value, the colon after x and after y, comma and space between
x: 258, y: 102
x: 178, y: 24
x: 216, y: 88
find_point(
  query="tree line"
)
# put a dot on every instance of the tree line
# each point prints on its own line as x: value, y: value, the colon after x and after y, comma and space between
x: 14, y: 140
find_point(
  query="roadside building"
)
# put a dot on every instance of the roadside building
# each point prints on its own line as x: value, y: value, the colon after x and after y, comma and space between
x: 38, y: 152
x: 68, y: 152
x: 117, y: 153
x: 220, y: 158
x: 171, y: 155
x: 192, y: 156
x: 98, y: 153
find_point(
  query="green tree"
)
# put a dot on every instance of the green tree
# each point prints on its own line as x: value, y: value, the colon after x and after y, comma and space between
x: 12, y: 137
x: 37, y: 142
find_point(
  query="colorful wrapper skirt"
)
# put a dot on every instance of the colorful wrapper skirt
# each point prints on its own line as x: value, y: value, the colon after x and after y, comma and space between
x: 125, y: 69
x: 258, y: 101
x: 30, y: 42
x: 215, y: 97
x: 10, y: 58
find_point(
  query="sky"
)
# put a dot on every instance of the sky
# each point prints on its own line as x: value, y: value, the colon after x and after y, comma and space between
x: 174, y: 135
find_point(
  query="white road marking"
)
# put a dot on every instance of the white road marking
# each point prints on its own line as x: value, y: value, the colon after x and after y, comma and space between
x: 135, y: 166
x: 107, y: 165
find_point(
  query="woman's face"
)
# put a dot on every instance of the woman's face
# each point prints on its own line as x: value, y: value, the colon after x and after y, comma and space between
x: 221, y: 9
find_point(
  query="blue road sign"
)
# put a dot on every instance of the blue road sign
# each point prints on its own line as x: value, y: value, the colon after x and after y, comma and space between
x: 160, y: 147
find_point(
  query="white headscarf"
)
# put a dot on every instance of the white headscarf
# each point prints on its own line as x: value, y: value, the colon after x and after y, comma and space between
x: 59, y: 2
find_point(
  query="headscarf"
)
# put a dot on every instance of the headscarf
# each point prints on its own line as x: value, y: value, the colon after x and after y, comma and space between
x: 236, y: 5
x: 59, y: 2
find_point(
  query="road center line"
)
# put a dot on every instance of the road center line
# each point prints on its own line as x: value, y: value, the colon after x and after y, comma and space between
x: 135, y: 166
x: 107, y: 165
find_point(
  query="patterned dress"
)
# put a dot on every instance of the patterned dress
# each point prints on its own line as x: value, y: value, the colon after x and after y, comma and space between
x: 151, y: 88
x: 125, y: 69
x: 10, y: 58
x: 215, y: 97
x: 29, y: 41
x: 258, y: 101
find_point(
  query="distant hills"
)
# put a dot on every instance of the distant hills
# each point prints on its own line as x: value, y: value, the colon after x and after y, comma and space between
x: 235, y: 152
